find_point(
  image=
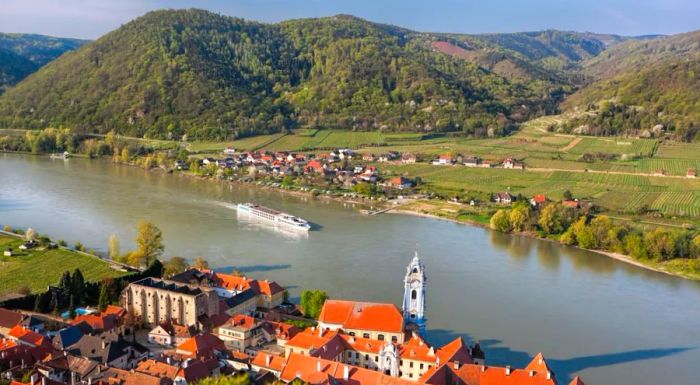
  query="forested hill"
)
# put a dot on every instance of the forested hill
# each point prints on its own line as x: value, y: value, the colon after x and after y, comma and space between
x: 210, y: 76
x: 642, y: 85
x: 22, y: 54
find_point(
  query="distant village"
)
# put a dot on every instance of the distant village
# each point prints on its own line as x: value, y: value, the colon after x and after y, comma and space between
x: 200, y: 324
x: 345, y: 169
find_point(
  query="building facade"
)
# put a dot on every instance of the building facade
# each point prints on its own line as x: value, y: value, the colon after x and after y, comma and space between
x: 154, y: 301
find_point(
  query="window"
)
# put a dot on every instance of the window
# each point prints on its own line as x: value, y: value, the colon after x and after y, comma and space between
x: 414, y: 294
x: 366, y: 357
x: 352, y: 334
x: 365, y: 335
x: 410, y: 364
x: 421, y: 366
x: 376, y: 359
x: 394, y: 339
x: 380, y: 337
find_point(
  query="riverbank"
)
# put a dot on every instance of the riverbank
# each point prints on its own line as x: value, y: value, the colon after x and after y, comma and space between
x: 673, y: 268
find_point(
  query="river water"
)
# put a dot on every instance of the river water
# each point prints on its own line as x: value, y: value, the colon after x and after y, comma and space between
x: 611, y: 323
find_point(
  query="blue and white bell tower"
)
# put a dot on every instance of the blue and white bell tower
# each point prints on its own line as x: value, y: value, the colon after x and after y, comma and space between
x: 414, y: 294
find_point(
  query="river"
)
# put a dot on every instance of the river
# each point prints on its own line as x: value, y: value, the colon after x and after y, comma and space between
x: 611, y: 323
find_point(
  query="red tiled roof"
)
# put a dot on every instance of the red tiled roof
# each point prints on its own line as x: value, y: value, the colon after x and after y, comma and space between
x: 201, y: 345
x: 9, y: 318
x: 97, y: 321
x: 269, y: 361
x: 157, y: 369
x: 25, y: 335
x: 539, y: 198
x: 362, y: 315
x: 487, y: 375
x: 317, y: 371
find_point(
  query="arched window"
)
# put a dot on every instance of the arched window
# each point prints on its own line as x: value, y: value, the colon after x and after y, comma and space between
x: 415, y: 270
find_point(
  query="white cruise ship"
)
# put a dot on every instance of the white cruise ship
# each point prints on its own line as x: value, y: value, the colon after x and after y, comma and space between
x: 279, y: 218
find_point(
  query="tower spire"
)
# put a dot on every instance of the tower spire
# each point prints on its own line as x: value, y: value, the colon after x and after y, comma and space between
x: 414, y: 294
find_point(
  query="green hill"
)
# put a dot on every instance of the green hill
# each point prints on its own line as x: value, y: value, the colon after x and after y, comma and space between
x: 210, y: 76
x: 22, y: 54
x: 642, y: 84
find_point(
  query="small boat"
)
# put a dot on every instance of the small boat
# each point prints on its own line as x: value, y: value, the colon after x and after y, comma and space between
x: 65, y: 155
x: 277, y: 217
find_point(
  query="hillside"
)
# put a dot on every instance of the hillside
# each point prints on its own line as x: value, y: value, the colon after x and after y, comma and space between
x: 642, y: 84
x: 174, y: 72
x: 22, y: 54
x: 13, y: 68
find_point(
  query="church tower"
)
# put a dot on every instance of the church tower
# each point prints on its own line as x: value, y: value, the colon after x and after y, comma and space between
x: 414, y: 294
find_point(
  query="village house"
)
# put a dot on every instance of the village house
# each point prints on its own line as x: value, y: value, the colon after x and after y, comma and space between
x: 471, y: 161
x: 692, y: 173
x: 170, y: 334
x: 399, y: 182
x: 444, y: 159
x: 368, y: 157
x: 513, y: 163
x: 408, y: 158
x: 538, y: 201
x: 241, y: 332
x: 503, y: 198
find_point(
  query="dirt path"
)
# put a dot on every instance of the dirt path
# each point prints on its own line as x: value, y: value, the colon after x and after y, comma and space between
x: 571, y: 144
x: 547, y: 169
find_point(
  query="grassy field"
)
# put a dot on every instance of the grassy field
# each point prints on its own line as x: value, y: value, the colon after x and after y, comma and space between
x: 36, y: 269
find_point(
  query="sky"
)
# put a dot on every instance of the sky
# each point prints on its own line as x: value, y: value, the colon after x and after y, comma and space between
x: 89, y: 19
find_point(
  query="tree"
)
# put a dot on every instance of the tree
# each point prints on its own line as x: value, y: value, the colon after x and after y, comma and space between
x: 312, y: 302
x: 519, y: 217
x: 239, y: 379
x: 114, y: 249
x: 695, y: 246
x: 201, y: 263
x: 149, y: 244
x: 104, y: 299
x: 567, y: 195
x: 500, y: 221
x: 78, y: 287
x: 71, y: 307
x: 634, y: 246
x: 174, y: 265
x: 555, y: 218
x: 30, y: 235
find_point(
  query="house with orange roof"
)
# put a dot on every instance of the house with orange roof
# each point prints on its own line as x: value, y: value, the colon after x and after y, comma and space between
x: 202, y: 345
x: 25, y: 336
x: 270, y: 362
x: 99, y: 323
x: 538, y: 201
x: 378, y: 321
x: 279, y: 331
x: 241, y: 332
x: 8, y: 320
x: 456, y: 373
x: 269, y: 293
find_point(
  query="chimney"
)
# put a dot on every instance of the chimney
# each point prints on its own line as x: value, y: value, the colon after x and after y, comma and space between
x: 532, y: 373
x: 268, y: 360
x: 318, y: 365
x: 72, y: 378
x: 483, y: 368
x: 169, y: 360
x: 549, y: 375
x: 346, y: 372
x: 32, y: 379
x: 456, y: 364
x: 43, y: 381
x: 508, y: 370
x: 104, y: 344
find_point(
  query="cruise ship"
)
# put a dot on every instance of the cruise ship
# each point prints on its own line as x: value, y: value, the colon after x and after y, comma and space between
x: 273, y: 216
